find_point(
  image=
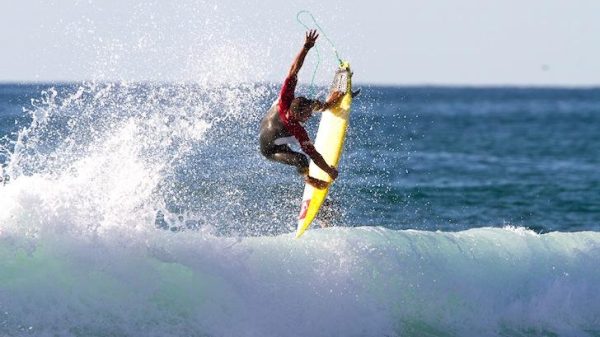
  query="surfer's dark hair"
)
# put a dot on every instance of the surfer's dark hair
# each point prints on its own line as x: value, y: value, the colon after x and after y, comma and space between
x: 300, y: 103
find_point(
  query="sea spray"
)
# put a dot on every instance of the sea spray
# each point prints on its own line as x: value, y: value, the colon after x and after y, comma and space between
x: 108, y: 153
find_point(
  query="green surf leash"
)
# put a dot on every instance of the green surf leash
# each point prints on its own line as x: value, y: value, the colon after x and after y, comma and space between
x: 322, y: 32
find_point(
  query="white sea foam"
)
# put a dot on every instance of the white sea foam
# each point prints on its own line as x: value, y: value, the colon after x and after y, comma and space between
x: 340, y: 281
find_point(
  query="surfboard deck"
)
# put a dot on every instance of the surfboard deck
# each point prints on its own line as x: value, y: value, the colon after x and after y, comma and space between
x: 329, y: 143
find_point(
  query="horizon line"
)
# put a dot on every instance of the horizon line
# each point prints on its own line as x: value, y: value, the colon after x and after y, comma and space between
x: 362, y: 84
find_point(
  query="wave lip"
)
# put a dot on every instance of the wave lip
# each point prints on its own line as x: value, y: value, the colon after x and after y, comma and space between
x: 339, y: 281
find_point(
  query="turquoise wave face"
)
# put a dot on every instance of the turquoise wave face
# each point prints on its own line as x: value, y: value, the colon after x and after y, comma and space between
x: 341, y: 281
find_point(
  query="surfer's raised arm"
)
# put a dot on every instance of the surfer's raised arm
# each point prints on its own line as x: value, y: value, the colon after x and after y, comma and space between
x: 309, y: 42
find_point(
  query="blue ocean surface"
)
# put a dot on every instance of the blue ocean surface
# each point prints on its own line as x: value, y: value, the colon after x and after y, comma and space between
x: 144, y: 209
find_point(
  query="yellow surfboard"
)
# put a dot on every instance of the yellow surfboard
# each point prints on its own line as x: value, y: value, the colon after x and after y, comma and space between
x: 329, y: 143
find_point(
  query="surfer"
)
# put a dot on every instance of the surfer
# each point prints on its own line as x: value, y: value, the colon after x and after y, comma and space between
x: 282, y: 124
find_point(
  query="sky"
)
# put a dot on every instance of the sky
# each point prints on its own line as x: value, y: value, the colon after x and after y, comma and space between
x: 458, y: 42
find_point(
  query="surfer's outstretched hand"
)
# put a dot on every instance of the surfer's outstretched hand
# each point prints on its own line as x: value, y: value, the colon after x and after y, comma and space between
x: 333, y: 172
x: 311, y: 38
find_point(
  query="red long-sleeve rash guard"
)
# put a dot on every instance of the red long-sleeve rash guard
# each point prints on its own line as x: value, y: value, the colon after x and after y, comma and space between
x: 295, y: 128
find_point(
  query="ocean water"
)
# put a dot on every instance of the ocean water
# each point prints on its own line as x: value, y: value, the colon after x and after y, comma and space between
x: 144, y: 209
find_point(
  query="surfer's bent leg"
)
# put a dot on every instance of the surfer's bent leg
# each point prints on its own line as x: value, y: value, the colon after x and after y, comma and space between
x: 285, y: 155
x: 289, y: 157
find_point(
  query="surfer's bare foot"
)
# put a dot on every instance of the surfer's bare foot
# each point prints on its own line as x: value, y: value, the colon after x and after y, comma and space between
x: 316, y: 183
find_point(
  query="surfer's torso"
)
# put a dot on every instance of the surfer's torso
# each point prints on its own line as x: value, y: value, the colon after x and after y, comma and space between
x: 276, y: 129
x: 273, y: 132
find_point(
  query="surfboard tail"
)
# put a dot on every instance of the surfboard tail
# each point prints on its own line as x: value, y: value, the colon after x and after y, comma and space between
x: 309, y: 210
